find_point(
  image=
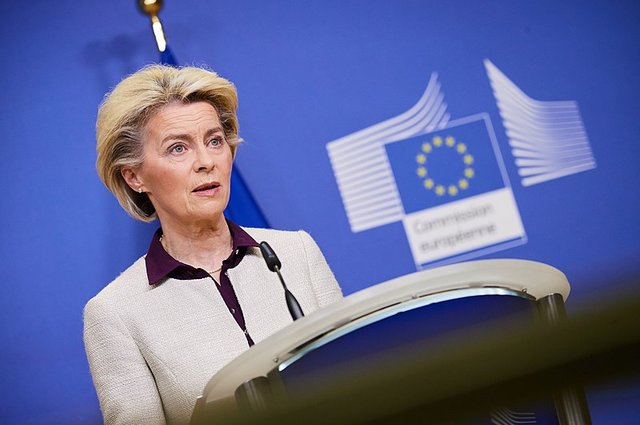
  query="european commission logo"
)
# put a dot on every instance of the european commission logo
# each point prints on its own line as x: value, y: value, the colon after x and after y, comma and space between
x: 445, y: 179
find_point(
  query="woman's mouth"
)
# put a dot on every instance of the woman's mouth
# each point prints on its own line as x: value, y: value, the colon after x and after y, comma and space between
x: 206, y: 188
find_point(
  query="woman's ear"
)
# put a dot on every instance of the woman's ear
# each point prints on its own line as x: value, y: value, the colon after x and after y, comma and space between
x: 131, y: 176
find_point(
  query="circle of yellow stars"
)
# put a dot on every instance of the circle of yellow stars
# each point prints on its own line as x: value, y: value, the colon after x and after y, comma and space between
x: 437, y: 187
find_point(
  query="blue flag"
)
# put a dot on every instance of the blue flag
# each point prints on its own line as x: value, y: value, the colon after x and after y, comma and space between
x: 436, y: 168
x: 167, y: 58
x: 242, y: 208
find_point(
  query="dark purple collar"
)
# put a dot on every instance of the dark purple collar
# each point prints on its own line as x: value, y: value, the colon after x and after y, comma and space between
x: 161, y: 265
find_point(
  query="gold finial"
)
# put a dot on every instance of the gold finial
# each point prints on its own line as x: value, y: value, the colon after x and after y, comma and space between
x: 152, y: 9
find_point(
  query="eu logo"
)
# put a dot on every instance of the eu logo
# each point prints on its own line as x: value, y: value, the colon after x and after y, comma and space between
x: 445, y: 166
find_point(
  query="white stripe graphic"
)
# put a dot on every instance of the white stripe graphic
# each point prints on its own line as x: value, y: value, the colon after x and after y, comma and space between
x: 361, y: 166
x: 548, y: 139
x: 511, y: 417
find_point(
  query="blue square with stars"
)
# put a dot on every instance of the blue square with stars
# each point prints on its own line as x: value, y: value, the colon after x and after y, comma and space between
x: 444, y: 166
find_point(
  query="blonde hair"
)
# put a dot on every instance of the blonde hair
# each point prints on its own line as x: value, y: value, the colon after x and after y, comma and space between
x: 126, y: 110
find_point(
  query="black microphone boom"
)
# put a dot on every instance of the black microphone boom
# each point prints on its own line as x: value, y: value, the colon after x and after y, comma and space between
x: 273, y: 263
x: 270, y: 257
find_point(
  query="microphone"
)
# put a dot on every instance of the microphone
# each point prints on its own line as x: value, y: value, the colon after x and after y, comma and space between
x: 273, y: 263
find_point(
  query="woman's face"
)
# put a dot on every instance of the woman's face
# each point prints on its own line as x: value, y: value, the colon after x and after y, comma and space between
x: 187, y: 164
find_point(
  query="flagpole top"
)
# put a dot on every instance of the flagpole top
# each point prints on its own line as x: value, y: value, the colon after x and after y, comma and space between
x: 150, y: 7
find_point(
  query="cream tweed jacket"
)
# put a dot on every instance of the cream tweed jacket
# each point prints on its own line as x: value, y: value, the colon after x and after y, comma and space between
x: 152, y: 349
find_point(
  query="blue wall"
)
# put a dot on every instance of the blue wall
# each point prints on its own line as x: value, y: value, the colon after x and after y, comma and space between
x: 307, y: 73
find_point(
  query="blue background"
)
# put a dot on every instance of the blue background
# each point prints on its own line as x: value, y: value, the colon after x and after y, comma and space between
x: 307, y: 73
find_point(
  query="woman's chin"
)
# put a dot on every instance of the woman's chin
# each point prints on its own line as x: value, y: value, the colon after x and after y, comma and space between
x: 202, y: 215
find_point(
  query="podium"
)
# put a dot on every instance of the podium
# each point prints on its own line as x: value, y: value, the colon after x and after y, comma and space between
x: 402, y: 315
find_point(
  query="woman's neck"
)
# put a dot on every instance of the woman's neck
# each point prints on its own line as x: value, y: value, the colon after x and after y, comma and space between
x: 203, y: 246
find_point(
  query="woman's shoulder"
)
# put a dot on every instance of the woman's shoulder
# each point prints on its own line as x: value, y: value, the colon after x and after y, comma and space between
x: 260, y: 234
x: 130, y: 283
x: 282, y: 239
x: 286, y: 242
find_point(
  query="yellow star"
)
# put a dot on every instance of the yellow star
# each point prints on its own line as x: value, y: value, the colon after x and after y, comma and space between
x: 468, y: 159
x: 439, y: 190
x: 426, y: 147
x: 453, y: 191
x: 450, y: 141
x: 461, y: 148
x: 463, y: 184
x: 469, y: 173
x: 428, y: 183
x: 421, y: 158
x: 422, y: 171
x: 437, y: 141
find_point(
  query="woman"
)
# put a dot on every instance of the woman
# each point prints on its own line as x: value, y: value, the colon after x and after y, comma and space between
x: 166, y: 139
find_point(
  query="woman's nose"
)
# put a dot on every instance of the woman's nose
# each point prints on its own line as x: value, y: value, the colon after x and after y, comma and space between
x: 204, y: 160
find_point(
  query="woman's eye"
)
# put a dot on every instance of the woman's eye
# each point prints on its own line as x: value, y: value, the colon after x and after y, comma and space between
x: 177, y: 149
x: 217, y: 141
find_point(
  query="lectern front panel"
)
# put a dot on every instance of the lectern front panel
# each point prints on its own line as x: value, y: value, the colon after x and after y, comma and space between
x: 432, y: 321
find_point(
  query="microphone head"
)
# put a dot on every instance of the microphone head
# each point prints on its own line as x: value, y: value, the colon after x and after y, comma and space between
x: 270, y: 257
